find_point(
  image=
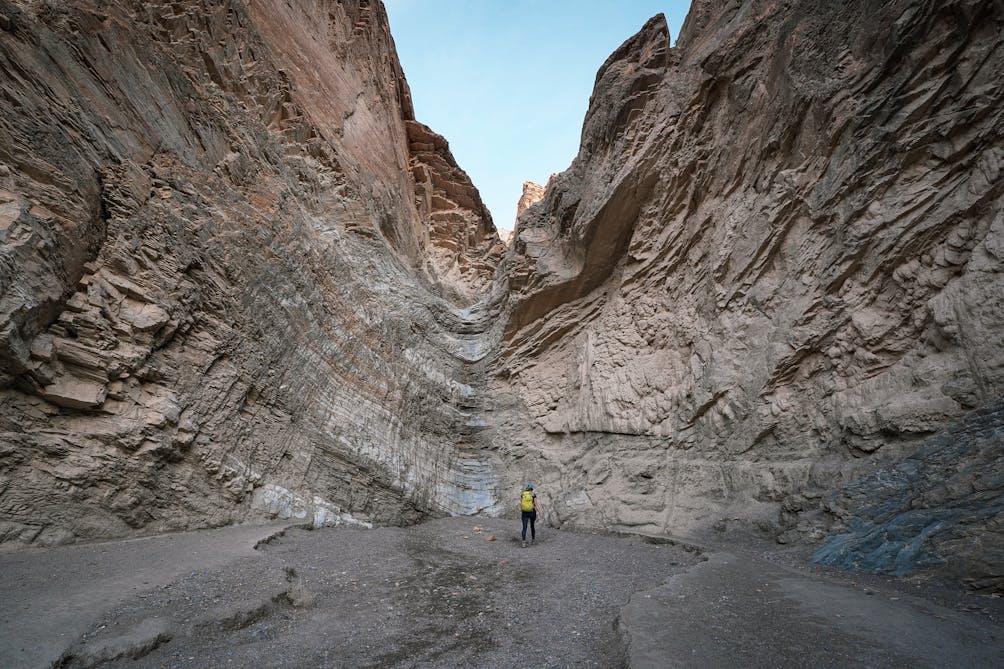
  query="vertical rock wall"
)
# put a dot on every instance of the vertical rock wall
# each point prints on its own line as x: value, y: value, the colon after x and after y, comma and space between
x: 238, y: 278
x: 776, y: 263
x: 462, y: 248
x: 213, y: 295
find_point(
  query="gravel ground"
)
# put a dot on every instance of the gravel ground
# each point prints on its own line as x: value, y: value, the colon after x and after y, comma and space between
x: 439, y: 594
x: 442, y: 594
x: 50, y: 597
x: 738, y: 612
x: 982, y: 607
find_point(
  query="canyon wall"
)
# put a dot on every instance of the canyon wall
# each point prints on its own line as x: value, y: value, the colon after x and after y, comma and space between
x: 222, y: 276
x: 939, y: 509
x: 774, y: 265
x: 239, y: 279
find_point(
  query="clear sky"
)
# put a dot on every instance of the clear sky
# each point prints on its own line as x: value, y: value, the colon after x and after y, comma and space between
x: 507, y: 82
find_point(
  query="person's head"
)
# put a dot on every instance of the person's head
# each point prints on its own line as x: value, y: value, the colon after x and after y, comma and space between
x: 529, y: 486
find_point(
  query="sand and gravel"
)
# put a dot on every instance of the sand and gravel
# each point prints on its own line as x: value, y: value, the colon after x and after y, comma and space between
x: 445, y: 594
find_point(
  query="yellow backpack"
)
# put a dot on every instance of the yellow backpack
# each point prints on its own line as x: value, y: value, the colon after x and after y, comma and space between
x: 526, y: 501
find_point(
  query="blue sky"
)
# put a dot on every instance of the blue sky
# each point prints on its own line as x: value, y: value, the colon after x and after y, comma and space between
x: 507, y: 82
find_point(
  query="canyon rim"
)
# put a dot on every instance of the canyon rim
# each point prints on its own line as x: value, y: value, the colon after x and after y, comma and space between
x: 239, y: 279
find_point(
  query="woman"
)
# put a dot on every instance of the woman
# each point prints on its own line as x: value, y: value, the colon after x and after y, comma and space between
x: 529, y: 505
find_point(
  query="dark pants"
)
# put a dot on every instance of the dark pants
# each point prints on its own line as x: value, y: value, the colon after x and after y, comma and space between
x: 530, y: 516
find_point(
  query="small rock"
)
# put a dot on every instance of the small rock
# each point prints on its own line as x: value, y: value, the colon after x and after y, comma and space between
x: 75, y: 393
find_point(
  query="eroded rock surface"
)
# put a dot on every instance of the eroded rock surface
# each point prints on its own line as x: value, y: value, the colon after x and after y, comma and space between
x: 532, y: 194
x: 239, y: 278
x: 775, y: 264
x: 462, y: 246
x: 940, y: 508
x: 215, y: 300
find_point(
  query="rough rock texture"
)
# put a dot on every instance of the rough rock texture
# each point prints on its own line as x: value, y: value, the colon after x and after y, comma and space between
x: 463, y: 248
x: 213, y: 299
x: 775, y: 264
x: 238, y: 277
x: 532, y: 194
x: 942, y: 507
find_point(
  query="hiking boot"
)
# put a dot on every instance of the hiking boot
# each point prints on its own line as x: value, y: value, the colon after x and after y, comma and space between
x: 524, y: 545
x: 533, y: 541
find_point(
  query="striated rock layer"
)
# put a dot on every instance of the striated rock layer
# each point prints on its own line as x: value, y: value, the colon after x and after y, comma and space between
x: 238, y: 277
x: 941, y: 507
x: 216, y: 296
x: 775, y: 264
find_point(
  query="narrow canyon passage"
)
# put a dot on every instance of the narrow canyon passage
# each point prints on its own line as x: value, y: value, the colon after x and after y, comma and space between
x: 241, y: 283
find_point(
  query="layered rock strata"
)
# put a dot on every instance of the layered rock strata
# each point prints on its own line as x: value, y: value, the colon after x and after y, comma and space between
x: 238, y: 277
x: 214, y: 295
x: 775, y: 264
x: 462, y: 247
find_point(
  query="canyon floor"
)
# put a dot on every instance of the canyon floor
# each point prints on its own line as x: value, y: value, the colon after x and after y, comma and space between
x: 442, y: 594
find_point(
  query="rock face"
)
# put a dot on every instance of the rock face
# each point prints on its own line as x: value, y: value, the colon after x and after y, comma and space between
x: 942, y: 507
x: 532, y: 194
x: 462, y: 247
x: 216, y: 274
x: 238, y: 277
x: 775, y: 264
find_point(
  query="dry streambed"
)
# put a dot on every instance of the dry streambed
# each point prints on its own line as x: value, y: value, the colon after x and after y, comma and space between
x: 458, y: 592
x: 442, y: 594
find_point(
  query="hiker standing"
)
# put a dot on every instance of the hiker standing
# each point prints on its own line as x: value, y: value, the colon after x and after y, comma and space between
x: 529, y: 505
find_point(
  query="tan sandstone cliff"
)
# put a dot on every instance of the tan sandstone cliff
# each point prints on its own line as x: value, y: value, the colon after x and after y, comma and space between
x: 239, y: 279
x: 532, y: 194
x: 219, y: 295
x: 775, y: 264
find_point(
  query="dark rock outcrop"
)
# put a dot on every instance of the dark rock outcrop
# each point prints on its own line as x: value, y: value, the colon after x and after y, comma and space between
x: 941, y: 508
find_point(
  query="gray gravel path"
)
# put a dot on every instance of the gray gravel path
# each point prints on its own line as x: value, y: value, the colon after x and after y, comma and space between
x: 48, y: 598
x: 739, y: 611
x: 435, y: 595
x: 442, y: 594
